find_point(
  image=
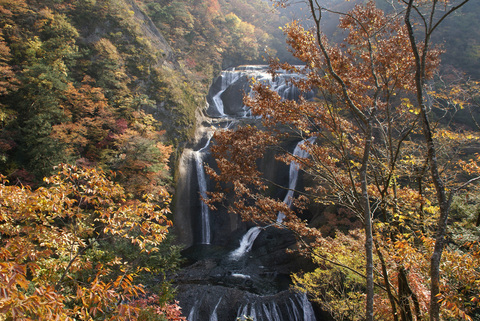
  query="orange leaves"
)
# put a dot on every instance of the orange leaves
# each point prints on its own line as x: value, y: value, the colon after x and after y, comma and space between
x: 89, y: 118
x: 46, y: 234
x: 367, y: 18
x: 236, y: 153
x: 460, y: 287
x: 303, y: 44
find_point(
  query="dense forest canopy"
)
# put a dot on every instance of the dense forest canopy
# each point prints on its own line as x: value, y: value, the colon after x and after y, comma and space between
x: 156, y: 56
x: 113, y: 87
x: 127, y: 56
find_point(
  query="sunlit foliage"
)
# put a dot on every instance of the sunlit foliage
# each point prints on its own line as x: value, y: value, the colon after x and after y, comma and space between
x: 53, y: 238
x: 369, y: 130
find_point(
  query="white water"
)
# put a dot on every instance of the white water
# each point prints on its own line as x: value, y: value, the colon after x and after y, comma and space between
x: 214, y: 316
x: 242, y: 312
x: 246, y: 243
x: 228, y: 78
x: 253, y: 312
x: 247, y: 240
x: 295, y: 314
x: 241, y: 276
x: 308, y: 313
x: 279, y: 84
x: 193, y: 313
x: 298, y: 309
x: 202, y: 186
x: 272, y: 313
x: 294, y: 169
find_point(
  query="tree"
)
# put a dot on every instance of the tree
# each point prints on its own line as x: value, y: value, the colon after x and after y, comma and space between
x: 444, y: 195
x: 43, y: 59
x: 141, y: 158
x: 52, y: 262
x: 8, y: 83
x: 365, y: 129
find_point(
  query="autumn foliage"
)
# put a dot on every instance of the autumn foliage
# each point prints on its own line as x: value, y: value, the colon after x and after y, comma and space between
x: 366, y: 154
x: 52, y: 257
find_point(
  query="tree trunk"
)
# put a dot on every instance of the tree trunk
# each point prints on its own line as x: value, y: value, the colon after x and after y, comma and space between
x: 420, y: 61
x: 391, y: 298
x: 368, y: 222
x: 404, y: 293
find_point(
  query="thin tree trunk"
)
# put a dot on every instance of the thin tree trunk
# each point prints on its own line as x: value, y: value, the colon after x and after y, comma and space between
x: 404, y: 293
x: 368, y: 222
x: 444, y: 202
x: 391, y: 298
x: 435, y: 260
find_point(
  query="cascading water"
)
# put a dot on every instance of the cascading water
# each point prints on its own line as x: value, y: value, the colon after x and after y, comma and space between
x: 214, y: 316
x: 226, y: 94
x: 247, y: 240
x: 296, y: 308
x: 228, y: 77
x: 308, y: 313
x: 294, y: 169
x: 246, y: 243
x: 253, y: 285
x: 202, y: 186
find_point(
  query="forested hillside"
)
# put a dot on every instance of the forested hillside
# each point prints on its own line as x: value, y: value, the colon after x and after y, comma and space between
x: 125, y: 57
x: 100, y: 85
x: 98, y: 98
x: 460, y: 37
x: 77, y: 76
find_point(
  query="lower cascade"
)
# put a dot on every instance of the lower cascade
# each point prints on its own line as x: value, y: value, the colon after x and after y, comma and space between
x: 246, y: 243
x: 236, y: 271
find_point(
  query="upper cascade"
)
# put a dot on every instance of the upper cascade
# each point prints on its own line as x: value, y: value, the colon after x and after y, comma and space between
x: 225, y: 97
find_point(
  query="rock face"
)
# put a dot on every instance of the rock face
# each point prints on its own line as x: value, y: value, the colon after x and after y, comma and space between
x: 254, y: 284
x: 255, y: 281
x: 155, y: 37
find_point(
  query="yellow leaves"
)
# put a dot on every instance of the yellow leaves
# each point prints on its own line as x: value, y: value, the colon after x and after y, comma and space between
x: 46, y: 247
x: 472, y: 166
x: 458, y: 136
x: 340, y: 263
x: 409, y: 106
x: 355, y: 164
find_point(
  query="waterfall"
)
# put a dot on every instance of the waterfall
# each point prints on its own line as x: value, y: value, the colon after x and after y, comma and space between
x: 238, y: 78
x: 214, y: 316
x: 228, y: 77
x: 246, y: 243
x: 308, y: 313
x: 294, y: 169
x: 202, y: 186
x: 254, y: 287
x: 247, y: 240
x: 191, y: 315
x: 271, y: 314
x: 295, y: 314
x: 298, y: 308
x: 242, y: 313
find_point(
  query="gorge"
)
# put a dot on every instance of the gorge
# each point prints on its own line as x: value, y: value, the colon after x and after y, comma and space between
x: 236, y: 269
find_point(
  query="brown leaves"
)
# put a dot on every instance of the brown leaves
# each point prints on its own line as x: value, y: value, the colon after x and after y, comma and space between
x: 45, y: 235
